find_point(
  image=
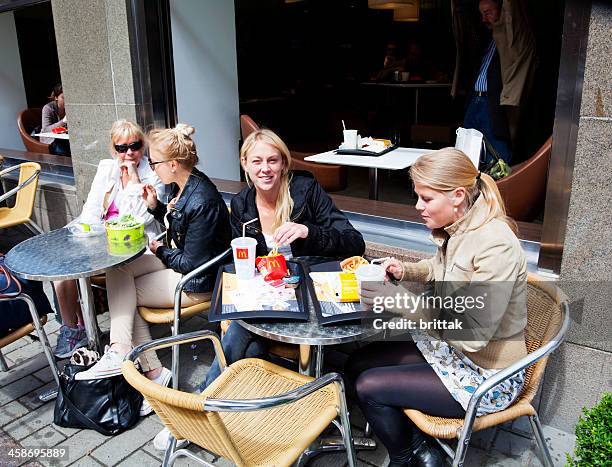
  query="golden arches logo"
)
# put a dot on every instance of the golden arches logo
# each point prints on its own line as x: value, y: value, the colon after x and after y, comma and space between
x: 273, y: 263
x: 242, y: 253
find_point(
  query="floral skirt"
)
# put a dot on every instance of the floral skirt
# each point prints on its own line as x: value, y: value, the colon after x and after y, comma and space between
x: 461, y: 376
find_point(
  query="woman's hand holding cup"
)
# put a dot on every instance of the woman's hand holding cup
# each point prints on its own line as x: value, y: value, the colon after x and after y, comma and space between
x: 395, y: 268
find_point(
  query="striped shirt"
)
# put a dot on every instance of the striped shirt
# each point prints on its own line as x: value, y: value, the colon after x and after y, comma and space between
x: 481, y: 81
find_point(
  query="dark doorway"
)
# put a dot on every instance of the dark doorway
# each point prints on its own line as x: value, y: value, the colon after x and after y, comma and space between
x: 38, y: 52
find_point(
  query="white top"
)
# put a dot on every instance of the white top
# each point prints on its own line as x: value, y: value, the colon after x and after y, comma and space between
x: 50, y: 134
x: 107, y: 184
x: 400, y: 158
x: 284, y: 250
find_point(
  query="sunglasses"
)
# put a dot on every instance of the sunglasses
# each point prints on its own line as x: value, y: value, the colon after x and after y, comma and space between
x: 135, y: 146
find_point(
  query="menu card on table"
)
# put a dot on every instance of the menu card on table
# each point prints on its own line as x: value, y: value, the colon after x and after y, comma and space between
x: 336, y: 292
x: 255, y: 298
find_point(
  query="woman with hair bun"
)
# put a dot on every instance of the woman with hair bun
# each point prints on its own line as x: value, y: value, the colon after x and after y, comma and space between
x: 198, y: 229
x: 478, y: 251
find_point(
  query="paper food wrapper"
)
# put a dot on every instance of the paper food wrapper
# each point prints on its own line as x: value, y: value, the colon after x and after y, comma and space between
x: 336, y: 286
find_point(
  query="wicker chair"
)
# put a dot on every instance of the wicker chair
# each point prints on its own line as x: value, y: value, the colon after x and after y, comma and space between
x: 166, y: 315
x: 548, y: 320
x: 15, y: 335
x: 254, y: 414
x: 25, y: 191
x: 37, y: 325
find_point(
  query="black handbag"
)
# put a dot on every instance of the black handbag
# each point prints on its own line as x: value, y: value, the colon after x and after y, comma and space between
x: 108, y: 405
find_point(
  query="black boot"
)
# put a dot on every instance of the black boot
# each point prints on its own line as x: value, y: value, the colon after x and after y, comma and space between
x: 428, y: 454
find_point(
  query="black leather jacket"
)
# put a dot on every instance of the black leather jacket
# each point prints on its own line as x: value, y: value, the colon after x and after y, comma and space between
x: 199, y: 226
x: 329, y: 231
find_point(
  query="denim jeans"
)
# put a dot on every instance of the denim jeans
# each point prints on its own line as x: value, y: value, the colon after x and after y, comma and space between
x: 237, y: 343
x: 477, y: 116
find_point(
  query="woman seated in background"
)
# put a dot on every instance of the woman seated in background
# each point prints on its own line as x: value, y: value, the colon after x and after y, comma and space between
x: 198, y: 226
x: 293, y: 212
x: 477, y: 247
x: 116, y: 190
x: 54, y: 116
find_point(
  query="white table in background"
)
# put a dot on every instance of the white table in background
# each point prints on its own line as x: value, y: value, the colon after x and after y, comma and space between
x: 398, y: 159
x: 50, y: 134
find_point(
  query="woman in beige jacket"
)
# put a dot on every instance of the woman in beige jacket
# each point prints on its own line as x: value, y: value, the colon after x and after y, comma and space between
x: 480, y: 270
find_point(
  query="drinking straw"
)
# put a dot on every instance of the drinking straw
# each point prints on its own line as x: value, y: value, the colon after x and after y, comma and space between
x: 343, y: 125
x: 244, y: 226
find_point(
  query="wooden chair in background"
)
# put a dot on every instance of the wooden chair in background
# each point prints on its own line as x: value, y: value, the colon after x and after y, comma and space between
x: 27, y: 120
x: 524, y: 189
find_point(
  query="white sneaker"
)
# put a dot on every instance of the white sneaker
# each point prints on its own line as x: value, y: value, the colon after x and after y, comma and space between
x: 160, y: 442
x: 164, y: 380
x: 108, y: 365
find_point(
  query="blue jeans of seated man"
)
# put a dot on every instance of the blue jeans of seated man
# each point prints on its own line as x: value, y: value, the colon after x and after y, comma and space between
x: 477, y: 116
x: 238, y: 343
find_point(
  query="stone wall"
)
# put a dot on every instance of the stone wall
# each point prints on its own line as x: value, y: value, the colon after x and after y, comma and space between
x: 581, y: 370
x: 96, y: 68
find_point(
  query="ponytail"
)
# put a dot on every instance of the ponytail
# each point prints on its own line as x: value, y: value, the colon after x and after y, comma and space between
x: 449, y: 168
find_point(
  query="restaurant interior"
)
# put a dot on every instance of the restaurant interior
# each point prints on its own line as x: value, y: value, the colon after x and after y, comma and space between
x: 305, y: 67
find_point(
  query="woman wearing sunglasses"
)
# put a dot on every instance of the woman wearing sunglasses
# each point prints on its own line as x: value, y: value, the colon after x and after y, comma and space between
x: 116, y: 190
x: 198, y: 230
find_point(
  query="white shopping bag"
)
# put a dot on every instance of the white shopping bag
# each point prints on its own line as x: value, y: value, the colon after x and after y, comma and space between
x: 469, y: 140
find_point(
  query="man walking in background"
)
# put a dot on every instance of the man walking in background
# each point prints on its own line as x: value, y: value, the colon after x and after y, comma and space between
x: 497, y: 82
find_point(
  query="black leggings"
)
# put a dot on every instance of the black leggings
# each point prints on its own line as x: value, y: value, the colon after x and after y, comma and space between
x: 389, y: 377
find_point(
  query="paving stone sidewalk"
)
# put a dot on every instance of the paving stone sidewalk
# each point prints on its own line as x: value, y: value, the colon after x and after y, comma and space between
x: 25, y: 422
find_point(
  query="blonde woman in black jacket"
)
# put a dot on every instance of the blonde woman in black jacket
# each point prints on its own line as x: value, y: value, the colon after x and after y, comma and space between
x: 293, y: 212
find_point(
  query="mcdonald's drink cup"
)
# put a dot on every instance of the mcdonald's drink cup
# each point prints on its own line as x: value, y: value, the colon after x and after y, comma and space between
x: 244, y: 257
x: 369, y: 273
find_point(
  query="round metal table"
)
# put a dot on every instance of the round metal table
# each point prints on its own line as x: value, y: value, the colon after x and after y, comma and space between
x: 311, y: 337
x: 59, y: 255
